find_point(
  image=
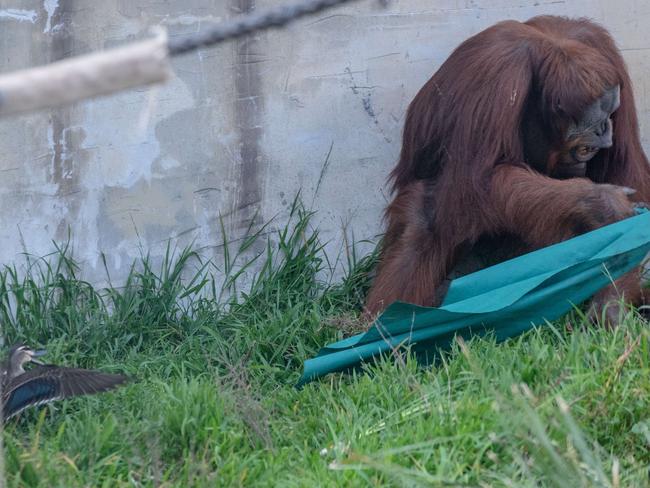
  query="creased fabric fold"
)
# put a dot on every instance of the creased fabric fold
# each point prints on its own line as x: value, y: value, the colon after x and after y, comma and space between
x: 506, y: 299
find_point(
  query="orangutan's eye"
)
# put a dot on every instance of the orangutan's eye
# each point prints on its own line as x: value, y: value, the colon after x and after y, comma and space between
x: 584, y: 153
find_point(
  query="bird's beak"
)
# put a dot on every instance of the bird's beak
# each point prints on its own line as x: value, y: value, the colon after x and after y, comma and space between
x: 37, y: 354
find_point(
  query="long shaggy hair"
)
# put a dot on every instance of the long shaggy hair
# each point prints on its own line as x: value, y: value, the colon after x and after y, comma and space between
x: 466, y: 122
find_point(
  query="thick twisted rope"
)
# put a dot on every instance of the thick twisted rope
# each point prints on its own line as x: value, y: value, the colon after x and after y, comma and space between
x: 246, y: 24
x: 136, y: 64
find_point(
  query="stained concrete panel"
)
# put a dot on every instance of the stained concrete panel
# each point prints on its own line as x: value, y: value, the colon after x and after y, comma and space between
x: 316, y: 107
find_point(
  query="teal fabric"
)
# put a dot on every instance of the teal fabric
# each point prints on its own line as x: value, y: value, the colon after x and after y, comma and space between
x: 506, y: 299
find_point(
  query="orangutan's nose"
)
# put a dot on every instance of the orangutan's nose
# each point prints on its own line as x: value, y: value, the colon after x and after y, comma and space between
x: 604, y: 132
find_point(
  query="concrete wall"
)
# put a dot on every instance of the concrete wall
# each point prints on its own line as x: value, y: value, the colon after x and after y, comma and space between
x: 242, y: 126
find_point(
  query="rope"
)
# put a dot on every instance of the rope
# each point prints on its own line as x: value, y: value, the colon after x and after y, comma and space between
x: 246, y: 24
x: 136, y: 64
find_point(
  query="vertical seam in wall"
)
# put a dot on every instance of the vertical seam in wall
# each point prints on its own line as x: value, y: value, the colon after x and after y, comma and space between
x: 63, y: 172
x: 248, y: 111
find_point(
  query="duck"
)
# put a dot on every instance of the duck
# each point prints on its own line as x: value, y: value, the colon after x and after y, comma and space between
x: 22, y: 388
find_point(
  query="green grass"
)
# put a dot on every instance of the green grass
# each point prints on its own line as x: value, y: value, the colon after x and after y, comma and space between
x: 212, y: 402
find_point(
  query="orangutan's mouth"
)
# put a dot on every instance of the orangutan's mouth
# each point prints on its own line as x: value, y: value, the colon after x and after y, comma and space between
x: 572, y: 169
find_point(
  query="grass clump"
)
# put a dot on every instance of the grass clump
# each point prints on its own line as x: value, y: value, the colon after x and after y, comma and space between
x: 213, y: 402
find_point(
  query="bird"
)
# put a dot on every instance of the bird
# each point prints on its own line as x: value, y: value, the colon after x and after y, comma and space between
x: 21, y: 388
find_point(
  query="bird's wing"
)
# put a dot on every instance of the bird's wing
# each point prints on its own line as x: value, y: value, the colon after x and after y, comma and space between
x: 48, y: 383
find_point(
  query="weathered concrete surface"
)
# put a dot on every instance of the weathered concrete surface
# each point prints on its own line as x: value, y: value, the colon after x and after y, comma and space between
x: 243, y: 126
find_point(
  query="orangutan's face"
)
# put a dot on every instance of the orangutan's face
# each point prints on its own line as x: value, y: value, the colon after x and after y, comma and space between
x: 588, y: 135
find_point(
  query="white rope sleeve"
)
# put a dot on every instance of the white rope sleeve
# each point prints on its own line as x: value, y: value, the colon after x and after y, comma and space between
x: 88, y: 76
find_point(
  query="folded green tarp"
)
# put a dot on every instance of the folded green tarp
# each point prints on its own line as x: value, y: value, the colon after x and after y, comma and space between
x: 505, y: 300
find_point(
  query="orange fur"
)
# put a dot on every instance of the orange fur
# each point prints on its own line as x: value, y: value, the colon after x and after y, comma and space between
x: 463, y: 175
